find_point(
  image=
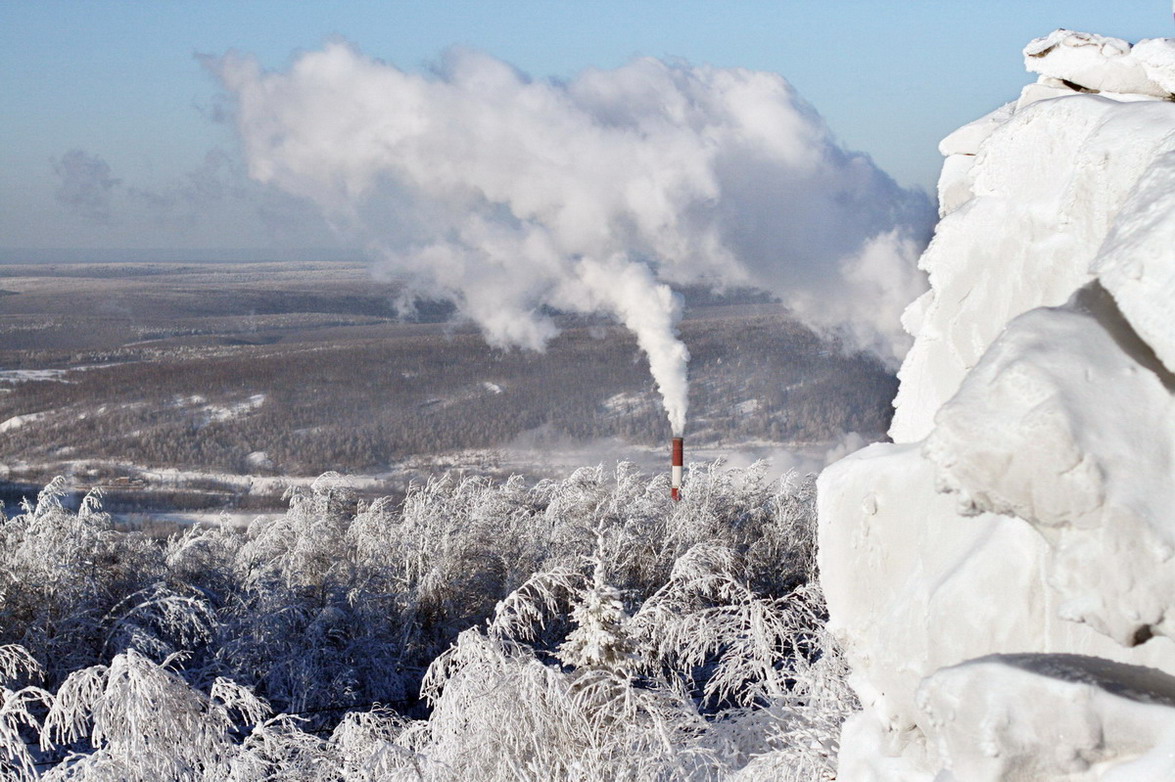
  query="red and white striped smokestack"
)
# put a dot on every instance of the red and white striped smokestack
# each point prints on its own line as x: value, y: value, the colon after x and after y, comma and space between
x: 678, y: 462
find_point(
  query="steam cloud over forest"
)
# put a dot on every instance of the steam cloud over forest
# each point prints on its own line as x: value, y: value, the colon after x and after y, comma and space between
x: 508, y: 195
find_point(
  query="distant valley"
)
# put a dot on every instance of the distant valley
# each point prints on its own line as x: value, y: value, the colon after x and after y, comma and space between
x: 216, y: 386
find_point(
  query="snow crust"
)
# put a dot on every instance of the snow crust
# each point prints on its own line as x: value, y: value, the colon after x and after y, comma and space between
x: 1002, y: 575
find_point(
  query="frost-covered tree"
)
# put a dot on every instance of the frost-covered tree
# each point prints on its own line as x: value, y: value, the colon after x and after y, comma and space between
x: 588, y: 628
x: 600, y: 638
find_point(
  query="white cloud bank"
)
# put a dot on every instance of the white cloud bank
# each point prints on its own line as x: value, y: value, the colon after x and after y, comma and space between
x: 508, y: 195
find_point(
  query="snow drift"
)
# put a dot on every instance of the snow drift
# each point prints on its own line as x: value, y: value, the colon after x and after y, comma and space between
x: 1002, y: 576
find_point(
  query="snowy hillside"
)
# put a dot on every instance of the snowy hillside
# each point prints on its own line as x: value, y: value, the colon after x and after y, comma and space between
x: 1001, y: 576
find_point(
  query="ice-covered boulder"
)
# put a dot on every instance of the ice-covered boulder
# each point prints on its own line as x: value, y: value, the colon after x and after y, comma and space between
x: 1024, y: 510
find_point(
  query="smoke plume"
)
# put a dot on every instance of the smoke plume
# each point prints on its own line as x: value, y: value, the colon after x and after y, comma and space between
x: 85, y: 184
x: 510, y: 196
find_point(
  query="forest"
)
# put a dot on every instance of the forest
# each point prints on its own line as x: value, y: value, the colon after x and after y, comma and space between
x: 585, y: 628
x: 113, y: 370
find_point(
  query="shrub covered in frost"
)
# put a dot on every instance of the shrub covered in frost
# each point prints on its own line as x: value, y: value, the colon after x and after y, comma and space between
x: 588, y: 628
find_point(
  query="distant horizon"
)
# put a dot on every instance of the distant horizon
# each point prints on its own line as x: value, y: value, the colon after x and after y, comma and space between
x: 36, y: 256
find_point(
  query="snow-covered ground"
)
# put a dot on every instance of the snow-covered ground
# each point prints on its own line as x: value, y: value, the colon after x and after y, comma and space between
x: 223, y: 518
x: 1002, y: 576
x: 17, y: 421
x: 30, y: 375
x: 534, y: 456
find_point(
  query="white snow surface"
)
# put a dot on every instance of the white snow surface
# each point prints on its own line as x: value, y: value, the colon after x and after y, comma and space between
x: 1002, y: 576
x: 13, y: 376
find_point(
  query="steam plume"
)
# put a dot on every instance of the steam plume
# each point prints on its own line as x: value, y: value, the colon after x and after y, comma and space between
x: 506, y: 194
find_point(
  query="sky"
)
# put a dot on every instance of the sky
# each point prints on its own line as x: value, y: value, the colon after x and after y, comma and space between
x: 115, y: 135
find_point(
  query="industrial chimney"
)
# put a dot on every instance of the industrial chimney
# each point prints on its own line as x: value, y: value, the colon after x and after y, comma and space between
x: 678, y: 462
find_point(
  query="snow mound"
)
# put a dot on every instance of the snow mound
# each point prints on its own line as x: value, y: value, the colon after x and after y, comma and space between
x: 998, y: 573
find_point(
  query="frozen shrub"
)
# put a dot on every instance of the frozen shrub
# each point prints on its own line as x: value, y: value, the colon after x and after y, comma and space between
x: 18, y: 712
x: 62, y: 574
x: 589, y: 628
x: 144, y: 722
x: 600, y: 638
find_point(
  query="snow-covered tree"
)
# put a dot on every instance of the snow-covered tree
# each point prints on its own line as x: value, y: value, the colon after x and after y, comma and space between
x: 588, y: 628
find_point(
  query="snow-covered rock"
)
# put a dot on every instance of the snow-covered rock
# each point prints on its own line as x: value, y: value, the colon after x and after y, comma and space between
x: 1023, y: 510
x: 1045, y: 188
x: 1053, y: 716
x: 914, y: 585
x: 1068, y: 423
x: 967, y: 139
x: 1137, y: 264
x: 1098, y: 63
x: 1157, y: 56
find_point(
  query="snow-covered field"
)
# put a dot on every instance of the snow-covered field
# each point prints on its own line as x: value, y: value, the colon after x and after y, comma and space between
x: 27, y: 375
x: 533, y: 456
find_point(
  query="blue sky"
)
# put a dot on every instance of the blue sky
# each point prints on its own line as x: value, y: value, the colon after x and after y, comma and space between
x: 121, y: 80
